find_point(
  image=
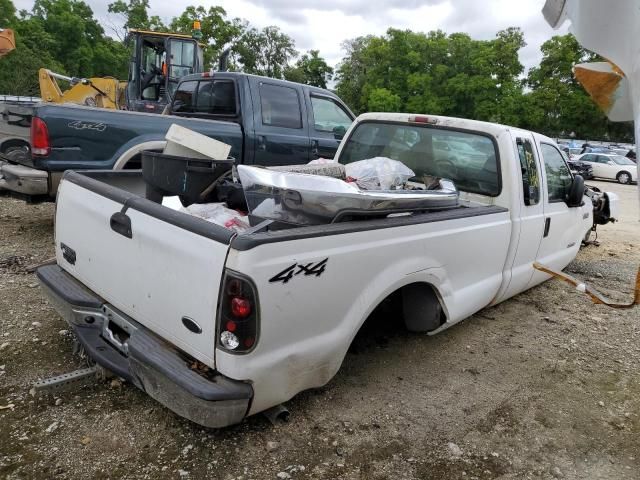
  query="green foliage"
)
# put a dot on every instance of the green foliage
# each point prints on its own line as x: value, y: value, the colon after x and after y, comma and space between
x: 558, y: 105
x: 311, y: 69
x: 458, y: 76
x: 7, y: 13
x: 265, y: 52
x: 382, y: 100
x: 433, y: 73
x: 217, y: 31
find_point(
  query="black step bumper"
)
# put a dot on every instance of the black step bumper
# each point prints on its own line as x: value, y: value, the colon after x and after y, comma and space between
x: 150, y: 363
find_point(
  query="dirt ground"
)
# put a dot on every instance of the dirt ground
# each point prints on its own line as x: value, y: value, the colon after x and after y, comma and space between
x: 543, y: 386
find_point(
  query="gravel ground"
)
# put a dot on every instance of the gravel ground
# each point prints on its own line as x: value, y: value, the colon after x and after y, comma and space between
x: 542, y: 386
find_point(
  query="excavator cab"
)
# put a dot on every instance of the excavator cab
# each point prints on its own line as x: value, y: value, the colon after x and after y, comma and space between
x: 158, y: 63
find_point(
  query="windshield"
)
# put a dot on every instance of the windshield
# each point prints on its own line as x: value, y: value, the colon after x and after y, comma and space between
x: 620, y: 160
x: 182, y: 62
x: 468, y: 159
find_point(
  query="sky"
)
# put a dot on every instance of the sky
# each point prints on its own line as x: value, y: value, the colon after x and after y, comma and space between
x: 324, y: 24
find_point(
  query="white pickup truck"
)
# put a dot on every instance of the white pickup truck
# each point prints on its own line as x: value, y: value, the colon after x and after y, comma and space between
x: 218, y: 325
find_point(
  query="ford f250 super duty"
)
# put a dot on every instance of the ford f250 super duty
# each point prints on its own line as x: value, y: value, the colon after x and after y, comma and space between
x: 266, y: 122
x: 150, y: 291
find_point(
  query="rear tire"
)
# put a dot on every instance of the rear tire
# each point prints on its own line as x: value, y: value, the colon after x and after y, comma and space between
x: 17, y: 154
x: 624, y: 177
x: 421, y: 308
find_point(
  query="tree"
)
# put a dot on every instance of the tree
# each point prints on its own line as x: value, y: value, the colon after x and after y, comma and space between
x: 382, y: 100
x: 433, y: 73
x: 7, y: 13
x: 217, y: 31
x: 311, y: 69
x: 557, y: 103
x: 265, y: 52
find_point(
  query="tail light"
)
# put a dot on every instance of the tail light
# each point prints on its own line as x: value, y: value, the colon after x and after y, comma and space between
x: 40, y: 144
x: 238, y: 315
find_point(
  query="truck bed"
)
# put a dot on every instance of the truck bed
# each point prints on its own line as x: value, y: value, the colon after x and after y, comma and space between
x: 128, y: 186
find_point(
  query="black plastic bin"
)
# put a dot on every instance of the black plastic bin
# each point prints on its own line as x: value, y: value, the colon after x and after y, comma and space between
x: 192, y: 179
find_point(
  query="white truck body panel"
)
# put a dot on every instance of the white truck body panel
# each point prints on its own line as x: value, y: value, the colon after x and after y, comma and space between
x: 158, y: 276
x: 472, y: 258
x: 309, y: 322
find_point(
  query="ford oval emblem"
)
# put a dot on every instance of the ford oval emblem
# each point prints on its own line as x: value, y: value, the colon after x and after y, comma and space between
x: 191, y: 325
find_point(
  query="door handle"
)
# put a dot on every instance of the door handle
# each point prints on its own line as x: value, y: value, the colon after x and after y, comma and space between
x: 121, y: 223
x: 314, y: 148
x: 547, y: 225
x: 262, y: 142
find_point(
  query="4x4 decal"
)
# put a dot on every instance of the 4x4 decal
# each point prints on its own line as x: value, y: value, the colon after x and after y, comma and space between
x: 288, y: 273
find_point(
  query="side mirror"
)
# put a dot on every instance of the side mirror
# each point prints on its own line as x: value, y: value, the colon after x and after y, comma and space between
x: 338, y: 132
x: 611, y: 163
x: 576, y: 192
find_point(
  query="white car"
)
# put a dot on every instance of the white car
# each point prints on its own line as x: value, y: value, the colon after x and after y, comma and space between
x: 611, y: 166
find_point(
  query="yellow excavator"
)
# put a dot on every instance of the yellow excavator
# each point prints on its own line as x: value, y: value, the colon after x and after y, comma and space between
x: 158, y: 62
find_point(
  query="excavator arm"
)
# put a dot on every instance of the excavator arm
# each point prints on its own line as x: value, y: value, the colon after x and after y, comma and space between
x: 93, y: 92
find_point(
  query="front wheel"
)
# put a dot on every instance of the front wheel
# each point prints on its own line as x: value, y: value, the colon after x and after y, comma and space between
x: 624, y: 178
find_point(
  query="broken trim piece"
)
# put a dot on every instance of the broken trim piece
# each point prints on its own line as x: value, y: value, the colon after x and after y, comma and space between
x: 596, y: 297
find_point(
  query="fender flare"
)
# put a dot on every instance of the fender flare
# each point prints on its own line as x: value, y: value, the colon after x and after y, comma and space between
x: 137, y: 149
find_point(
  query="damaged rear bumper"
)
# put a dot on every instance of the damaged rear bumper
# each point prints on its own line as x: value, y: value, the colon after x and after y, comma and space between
x: 142, y: 358
x: 23, y: 180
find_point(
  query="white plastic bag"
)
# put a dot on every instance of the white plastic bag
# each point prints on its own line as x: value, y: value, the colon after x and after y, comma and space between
x: 379, y: 173
x: 219, y: 214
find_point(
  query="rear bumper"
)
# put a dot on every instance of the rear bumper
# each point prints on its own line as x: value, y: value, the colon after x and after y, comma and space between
x: 23, y: 180
x: 148, y: 362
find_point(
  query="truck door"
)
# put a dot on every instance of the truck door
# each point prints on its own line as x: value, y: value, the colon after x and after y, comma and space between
x: 562, y: 226
x: 282, y: 137
x: 531, y: 215
x: 328, y: 122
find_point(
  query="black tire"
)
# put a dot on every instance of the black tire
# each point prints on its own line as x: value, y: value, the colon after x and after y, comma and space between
x: 17, y: 154
x: 624, y: 177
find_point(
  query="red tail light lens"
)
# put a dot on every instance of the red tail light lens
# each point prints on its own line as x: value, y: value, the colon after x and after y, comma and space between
x: 40, y: 144
x: 240, y: 307
x: 238, y: 317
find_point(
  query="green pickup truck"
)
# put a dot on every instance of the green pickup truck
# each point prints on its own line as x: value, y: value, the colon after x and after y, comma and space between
x: 266, y: 122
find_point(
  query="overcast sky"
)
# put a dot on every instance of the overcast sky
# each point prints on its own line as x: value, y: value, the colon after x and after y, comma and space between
x: 324, y: 24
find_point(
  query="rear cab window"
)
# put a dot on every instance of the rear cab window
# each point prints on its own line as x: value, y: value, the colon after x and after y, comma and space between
x: 469, y: 159
x: 204, y: 98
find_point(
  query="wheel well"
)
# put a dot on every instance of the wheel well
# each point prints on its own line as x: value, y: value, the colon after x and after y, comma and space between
x: 14, y: 143
x: 134, y: 163
x: 416, y: 306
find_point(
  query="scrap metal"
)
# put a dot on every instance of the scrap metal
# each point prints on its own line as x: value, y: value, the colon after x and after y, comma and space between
x: 596, y: 297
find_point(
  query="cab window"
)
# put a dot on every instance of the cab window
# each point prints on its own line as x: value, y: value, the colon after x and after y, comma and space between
x: 558, y: 174
x: 529, y: 168
x: 184, y: 98
x: 216, y: 98
x: 280, y: 106
x: 328, y: 116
